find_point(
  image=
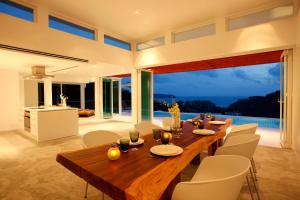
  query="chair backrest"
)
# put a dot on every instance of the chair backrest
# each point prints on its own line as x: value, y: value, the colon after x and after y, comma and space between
x: 245, y: 128
x: 243, y: 145
x: 242, y: 129
x: 145, y: 127
x: 98, y: 138
x: 222, y: 178
x: 167, y: 122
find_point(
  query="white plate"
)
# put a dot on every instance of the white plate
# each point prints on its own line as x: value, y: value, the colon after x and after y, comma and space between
x: 139, y: 142
x: 166, y: 150
x: 203, y: 132
x: 191, y: 120
x: 217, y: 122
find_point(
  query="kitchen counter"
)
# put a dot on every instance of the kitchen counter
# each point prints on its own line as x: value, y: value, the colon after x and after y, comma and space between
x: 49, y: 123
x: 54, y: 108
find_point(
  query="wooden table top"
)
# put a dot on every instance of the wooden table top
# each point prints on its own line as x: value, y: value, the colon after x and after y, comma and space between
x: 137, y: 175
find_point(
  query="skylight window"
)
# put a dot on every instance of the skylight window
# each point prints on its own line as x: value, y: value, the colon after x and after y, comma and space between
x: 151, y: 43
x: 261, y: 17
x: 195, y: 33
x: 116, y: 42
x: 16, y: 10
x: 72, y: 28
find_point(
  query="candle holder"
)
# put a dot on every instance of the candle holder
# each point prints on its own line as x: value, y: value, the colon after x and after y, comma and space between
x: 113, y: 152
x: 198, y: 124
x: 165, y: 139
x: 208, y: 116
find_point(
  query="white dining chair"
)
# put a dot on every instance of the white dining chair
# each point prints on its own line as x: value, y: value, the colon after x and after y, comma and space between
x: 167, y: 122
x: 218, y: 177
x: 243, y: 129
x: 242, y: 145
x: 145, y: 127
x: 98, y: 138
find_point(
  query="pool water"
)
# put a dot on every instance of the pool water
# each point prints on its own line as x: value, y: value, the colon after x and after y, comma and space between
x: 262, y: 122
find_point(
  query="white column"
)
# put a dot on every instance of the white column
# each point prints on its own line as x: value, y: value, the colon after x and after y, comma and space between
x: 135, y: 109
x: 98, y: 98
x: 82, y: 96
x: 48, y: 91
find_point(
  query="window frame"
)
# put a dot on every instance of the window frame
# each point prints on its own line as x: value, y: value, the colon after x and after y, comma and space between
x: 72, y: 23
x: 117, y: 40
x: 25, y: 6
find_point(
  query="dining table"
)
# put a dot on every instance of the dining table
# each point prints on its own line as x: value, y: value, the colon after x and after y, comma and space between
x: 140, y: 175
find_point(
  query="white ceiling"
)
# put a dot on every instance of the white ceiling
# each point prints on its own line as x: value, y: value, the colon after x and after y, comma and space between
x: 22, y: 62
x: 139, y: 19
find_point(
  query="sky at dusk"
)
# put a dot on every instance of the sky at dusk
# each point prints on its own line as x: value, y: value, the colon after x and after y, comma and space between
x: 254, y: 80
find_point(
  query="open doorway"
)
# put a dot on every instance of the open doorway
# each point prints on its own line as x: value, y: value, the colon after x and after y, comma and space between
x: 247, y: 94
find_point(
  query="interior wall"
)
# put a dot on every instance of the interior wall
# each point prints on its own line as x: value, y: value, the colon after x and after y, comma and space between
x: 296, y: 91
x: 10, y: 100
x: 31, y: 98
x: 37, y: 36
x: 253, y: 39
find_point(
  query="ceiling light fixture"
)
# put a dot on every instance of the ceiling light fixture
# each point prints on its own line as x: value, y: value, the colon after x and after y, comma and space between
x: 137, y: 12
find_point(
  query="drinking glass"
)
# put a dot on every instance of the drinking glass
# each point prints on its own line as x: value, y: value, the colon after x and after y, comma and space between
x: 124, y: 144
x: 134, y: 137
x: 156, y: 134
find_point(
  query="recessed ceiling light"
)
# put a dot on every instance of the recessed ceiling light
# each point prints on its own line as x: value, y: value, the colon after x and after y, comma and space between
x: 137, y: 12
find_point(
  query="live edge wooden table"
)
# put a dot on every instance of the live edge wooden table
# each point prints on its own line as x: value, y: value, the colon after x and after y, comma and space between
x: 137, y: 175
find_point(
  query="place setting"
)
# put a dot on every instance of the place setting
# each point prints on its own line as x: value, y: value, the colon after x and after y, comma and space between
x: 165, y: 149
x: 130, y: 142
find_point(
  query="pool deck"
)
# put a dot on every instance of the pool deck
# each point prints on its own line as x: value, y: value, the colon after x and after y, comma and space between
x: 122, y: 124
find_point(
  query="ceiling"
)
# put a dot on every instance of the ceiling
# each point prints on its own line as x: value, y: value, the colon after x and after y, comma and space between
x: 22, y: 62
x: 138, y: 19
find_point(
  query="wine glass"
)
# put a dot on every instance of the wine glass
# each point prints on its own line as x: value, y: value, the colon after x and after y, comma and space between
x: 134, y: 137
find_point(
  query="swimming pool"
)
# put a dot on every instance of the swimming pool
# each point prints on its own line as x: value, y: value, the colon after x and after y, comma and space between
x: 262, y: 122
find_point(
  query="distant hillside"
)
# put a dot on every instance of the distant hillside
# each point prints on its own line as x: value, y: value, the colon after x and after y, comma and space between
x: 258, y: 106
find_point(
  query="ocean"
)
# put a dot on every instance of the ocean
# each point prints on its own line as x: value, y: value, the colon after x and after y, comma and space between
x: 222, y: 101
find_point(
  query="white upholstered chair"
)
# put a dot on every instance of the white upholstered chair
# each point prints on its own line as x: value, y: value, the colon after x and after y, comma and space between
x: 242, y: 145
x: 218, y: 177
x: 243, y: 129
x: 145, y: 127
x: 98, y: 138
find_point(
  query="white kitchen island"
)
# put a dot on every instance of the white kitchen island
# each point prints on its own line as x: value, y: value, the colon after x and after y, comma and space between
x: 49, y: 123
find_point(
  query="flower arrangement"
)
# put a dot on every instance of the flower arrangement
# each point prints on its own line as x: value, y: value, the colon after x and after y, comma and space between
x: 175, y: 112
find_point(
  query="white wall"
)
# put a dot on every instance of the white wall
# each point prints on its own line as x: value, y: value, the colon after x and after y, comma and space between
x: 9, y: 100
x: 31, y: 98
x: 296, y: 91
x: 38, y: 36
x: 264, y: 37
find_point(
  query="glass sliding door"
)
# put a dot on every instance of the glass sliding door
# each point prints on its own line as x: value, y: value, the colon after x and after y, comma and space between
x: 116, y: 96
x: 107, y: 98
x: 146, y: 92
x: 286, y: 99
